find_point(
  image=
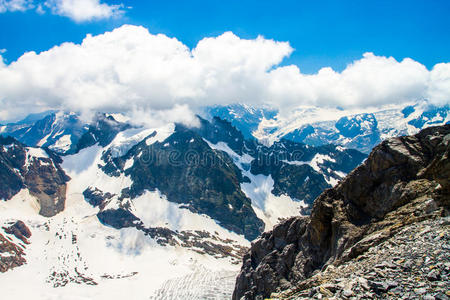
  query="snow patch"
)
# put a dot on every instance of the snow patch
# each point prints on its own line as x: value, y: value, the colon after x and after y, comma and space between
x: 267, y: 206
x: 314, y: 162
x: 63, y: 144
x: 162, y: 133
x: 155, y: 210
x: 129, y: 163
x: 239, y: 160
x: 119, y: 117
x: 36, y: 152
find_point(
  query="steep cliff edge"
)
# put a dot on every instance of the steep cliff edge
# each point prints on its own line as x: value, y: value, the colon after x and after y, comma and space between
x: 403, y: 183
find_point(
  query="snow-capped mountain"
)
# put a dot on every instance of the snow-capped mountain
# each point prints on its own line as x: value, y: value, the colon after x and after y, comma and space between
x: 58, y: 131
x: 190, y: 197
x: 242, y: 116
x: 65, y: 132
x: 320, y: 126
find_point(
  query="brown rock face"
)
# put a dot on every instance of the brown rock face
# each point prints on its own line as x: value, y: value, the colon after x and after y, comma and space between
x: 403, y: 181
x: 11, y: 255
x: 19, y: 230
x: 47, y: 182
x: 42, y: 176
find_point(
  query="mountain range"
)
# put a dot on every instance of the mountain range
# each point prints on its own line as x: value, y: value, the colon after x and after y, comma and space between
x: 78, y: 194
x: 361, y: 130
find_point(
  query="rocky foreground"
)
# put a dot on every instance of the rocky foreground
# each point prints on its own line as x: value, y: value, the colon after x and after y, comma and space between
x: 383, y: 232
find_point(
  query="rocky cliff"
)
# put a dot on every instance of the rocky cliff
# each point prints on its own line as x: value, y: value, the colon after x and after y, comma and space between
x: 35, y: 169
x: 13, y: 241
x: 402, y: 187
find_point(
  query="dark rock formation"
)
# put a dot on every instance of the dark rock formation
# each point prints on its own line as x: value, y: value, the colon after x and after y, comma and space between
x: 188, y: 171
x: 117, y: 218
x: 42, y: 175
x: 96, y: 197
x: 102, y: 130
x: 404, y: 180
x: 12, y: 254
x: 288, y: 164
x: 19, y: 230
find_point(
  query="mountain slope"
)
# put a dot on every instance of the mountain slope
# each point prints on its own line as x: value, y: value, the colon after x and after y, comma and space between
x: 404, y: 181
x: 213, y: 170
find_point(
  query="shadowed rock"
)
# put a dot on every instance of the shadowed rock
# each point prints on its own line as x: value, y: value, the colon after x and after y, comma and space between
x: 404, y: 180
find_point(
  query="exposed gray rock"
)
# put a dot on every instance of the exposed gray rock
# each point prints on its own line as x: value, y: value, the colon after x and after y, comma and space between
x: 399, y: 185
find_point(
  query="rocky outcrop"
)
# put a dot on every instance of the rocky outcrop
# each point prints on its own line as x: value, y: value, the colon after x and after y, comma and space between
x: 12, y: 253
x: 35, y: 169
x: 411, y: 264
x: 19, y: 230
x: 402, y: 182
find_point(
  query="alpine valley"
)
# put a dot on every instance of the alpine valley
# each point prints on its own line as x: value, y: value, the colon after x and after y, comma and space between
x: 107, y: 209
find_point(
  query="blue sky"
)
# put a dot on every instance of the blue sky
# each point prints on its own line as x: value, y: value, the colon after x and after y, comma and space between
x: 323, y: 33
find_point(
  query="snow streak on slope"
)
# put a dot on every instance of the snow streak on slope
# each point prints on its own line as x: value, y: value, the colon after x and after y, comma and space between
x: 125, y: 140
x: 155, y: 210
x: 267, y: 206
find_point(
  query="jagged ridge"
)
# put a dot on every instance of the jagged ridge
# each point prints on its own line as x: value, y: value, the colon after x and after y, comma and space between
x: 404, y: 180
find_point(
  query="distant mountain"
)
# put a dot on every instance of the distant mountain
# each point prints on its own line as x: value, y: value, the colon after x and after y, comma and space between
x: 62, y: 132
x: 318, y: 126
x: 58, y: 131
x: 242, y: 116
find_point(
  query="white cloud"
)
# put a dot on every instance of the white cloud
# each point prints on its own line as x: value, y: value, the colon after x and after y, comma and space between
x: 77, y: 10
x: 84, y: 10
x: 15, y: 5
x: 131, y: 70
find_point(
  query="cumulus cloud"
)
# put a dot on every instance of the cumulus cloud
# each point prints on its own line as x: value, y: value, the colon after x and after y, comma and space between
x: 131, y: 70
x: 84, y: 10
x: 77, y: 10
